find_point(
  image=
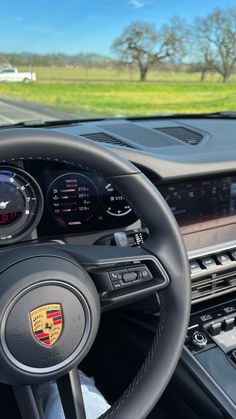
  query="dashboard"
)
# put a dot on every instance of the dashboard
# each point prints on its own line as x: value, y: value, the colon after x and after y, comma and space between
x: 59, y: 200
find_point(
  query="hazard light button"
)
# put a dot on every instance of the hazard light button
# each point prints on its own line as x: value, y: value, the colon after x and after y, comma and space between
x: 223, y: 258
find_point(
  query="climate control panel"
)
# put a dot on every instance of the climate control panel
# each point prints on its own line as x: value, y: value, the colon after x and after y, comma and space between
x: 214, y: 327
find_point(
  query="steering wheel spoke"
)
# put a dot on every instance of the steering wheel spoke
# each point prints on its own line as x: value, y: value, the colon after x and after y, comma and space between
x: 120, y: 274
x: 29, y: 402
x: 69, y: 387
x: 30, y: 399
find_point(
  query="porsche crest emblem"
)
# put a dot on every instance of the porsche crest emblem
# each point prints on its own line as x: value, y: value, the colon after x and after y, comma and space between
x: 47, y: 323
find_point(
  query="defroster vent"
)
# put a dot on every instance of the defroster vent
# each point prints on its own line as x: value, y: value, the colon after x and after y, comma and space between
x: 183, y: 134
x: 102, y: 137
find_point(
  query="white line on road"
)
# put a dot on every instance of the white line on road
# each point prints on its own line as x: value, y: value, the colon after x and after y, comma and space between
x: 5, y: 118
x: 14, y: 113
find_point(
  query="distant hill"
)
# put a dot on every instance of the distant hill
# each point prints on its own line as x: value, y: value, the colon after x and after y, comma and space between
x: 92, y: 57
x: 55, y: 59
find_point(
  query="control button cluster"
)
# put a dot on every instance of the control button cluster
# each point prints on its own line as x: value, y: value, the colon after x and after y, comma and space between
x: 218, y: 324
x: 129, y: 276
x: 215, y: 315
x: 223, y: 326
x: 212, y: 261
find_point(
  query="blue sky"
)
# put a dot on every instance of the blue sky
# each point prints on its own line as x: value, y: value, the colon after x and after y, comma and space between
x: 73, y: 26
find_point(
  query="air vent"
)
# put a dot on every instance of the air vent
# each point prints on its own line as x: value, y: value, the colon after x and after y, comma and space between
x: 102, y: 137
x: 213, y: 285
x: 183, y: 134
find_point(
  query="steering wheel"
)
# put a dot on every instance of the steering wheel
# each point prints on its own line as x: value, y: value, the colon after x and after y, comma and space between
x: 44, y: 279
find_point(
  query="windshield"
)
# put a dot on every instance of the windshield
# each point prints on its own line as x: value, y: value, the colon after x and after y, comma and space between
x: 71, y: 59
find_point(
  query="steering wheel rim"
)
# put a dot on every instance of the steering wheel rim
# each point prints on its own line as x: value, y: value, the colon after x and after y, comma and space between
x: 165, y: 243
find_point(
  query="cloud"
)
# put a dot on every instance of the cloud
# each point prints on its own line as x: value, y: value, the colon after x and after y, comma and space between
x: 137, y: 4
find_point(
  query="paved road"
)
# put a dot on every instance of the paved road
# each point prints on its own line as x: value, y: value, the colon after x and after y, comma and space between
x: 16, y: 111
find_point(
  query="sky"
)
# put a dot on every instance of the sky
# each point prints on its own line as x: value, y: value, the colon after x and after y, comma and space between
x: 73, y: 26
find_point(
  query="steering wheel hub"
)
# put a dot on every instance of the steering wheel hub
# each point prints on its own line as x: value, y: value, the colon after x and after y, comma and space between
x: 52, y: 320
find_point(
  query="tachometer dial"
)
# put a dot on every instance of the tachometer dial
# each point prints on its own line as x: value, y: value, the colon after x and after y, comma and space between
x: 72, y: 199
x: 21, y: 204
x: 114, y: 202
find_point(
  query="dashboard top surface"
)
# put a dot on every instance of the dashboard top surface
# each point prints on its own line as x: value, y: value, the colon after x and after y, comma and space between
x: 165, y: 155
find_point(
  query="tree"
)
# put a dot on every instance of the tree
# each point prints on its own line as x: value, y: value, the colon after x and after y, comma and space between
x: 206, y: 62
x: 141, y: 44
x: 218, y: 32
x: 202, y: 59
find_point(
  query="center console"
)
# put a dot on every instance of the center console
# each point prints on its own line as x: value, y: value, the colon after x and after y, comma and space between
x: 212, y: 342
x: 210, y: 347
x: 205, y: 210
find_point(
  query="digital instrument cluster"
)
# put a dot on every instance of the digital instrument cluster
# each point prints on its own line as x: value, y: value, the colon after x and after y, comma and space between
x: 78, y: 201
x: 58, y: 200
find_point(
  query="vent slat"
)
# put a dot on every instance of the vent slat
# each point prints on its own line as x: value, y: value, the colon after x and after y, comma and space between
x: 102, y: 137
x: 183, y: 134
x: 211, y: 286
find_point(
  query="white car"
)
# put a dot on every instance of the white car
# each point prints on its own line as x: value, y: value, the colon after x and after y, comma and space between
x: 11, y: 74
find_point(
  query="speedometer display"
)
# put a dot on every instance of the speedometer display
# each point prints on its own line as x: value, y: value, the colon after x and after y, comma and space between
x: 114, y: 202
x: 72, y: 199
x: 21, y: 204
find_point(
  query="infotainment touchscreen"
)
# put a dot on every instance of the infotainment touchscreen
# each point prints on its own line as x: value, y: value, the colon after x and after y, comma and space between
x: 203, y: 203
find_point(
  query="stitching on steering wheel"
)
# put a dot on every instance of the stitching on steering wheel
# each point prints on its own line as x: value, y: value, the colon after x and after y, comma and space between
x: 152, y: 352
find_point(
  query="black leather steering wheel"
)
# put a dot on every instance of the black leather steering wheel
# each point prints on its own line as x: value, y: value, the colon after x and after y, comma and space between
x: 33, y: 275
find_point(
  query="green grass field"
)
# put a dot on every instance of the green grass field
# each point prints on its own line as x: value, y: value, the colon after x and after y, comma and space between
x: 100, y: 92
x: 57, y: 74
x: 126, y: 98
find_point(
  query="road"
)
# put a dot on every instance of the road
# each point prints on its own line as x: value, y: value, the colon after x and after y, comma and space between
x: 17, y: 111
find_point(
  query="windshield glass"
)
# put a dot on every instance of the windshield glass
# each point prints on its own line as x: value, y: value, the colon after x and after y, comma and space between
x: 71, y: 59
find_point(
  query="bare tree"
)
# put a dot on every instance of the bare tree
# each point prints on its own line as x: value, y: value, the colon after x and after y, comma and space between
x: 201, y: 58
x: 218, y: 32
x: 206, y: 62
x: 141, y: 44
